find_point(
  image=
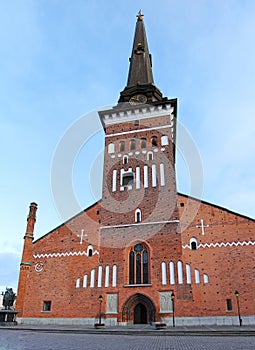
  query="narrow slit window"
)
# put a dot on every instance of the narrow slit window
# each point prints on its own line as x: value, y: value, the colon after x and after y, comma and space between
x: 125, y: 160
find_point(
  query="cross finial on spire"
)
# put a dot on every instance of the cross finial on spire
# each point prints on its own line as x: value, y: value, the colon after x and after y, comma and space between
x: 140, y: 15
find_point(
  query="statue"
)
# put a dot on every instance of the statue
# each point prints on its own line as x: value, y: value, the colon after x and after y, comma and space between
x: 8, y: 299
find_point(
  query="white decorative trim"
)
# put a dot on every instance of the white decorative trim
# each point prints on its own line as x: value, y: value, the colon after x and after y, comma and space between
x: 149, y: 112
x: 59, y: 255
x: 141, y: 130
x: 222, y: 244
x: 141, y: 223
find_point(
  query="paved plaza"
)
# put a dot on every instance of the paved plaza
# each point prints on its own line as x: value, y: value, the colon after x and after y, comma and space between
x: 44, y: 340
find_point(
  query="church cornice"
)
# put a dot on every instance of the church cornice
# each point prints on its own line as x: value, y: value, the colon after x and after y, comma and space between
x: 127, y: 114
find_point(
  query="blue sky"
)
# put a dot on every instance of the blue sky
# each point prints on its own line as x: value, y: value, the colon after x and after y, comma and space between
x: 60, y: 60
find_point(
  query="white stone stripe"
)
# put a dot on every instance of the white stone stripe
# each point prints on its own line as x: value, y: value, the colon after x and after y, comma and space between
x: 141, y: 130
x: 141, y: 223
x: 59, y: 255
x: 114, y: 180
x: 162, y: 175
x: 154, y: 175
x: 222, y: 244
x: 145, y: 176
x: 145, y: 113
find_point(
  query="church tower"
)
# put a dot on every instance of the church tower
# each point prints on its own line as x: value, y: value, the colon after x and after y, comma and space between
x: 140, y: 254
x: 139, y: 214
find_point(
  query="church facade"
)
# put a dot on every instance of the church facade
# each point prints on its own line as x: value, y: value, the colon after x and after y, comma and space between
x: 144, y: 253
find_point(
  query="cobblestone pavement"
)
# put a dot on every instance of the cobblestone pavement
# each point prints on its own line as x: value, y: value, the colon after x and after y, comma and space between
x: 29, y: 340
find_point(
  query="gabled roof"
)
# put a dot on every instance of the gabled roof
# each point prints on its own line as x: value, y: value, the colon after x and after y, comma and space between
x: 215, y: 206
x: 67, y: 221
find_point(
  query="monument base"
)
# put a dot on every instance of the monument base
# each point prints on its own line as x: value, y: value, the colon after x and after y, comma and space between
x: 8, y: 318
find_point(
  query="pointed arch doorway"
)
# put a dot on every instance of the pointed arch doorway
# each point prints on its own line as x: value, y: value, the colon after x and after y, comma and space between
x: 138, y: 309
x: 140, y: 314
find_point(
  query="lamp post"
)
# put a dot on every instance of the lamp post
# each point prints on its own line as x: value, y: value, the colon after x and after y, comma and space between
x: 172, y: 298
x: 100, y: 299
x: 238, y: 308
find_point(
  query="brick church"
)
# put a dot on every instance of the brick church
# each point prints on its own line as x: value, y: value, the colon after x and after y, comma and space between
x: 144, y: 253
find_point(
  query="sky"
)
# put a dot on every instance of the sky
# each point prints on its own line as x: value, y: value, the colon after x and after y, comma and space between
x: 61, y: 61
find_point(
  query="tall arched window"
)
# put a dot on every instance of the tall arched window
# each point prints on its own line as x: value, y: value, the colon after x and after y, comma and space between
x: 154, y: 141
x: 122, y: 146
x: 132, y: 145
x: 138, y: 215
x: 143, y: 143
x: 139, y: 265
x: 90, y: 250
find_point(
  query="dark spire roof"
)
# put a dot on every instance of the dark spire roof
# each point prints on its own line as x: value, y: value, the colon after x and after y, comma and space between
x: 140, y: 77
x: 140, y: 71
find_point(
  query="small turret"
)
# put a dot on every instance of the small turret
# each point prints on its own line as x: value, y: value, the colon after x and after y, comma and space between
x: 29, y: 235
x: 27, y: 257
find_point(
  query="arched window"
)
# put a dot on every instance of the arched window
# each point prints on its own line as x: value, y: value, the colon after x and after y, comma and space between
x: 149, y: 156
x: 122, y: 146
x: 164, y: 140
x: 132, y: 145
x: 180, y: 272
x: 154, y: 141
x: 138, y: 215
x: 193, y: 244
x: 90, y: 251
x: 143, y: 143
x: 111, y: 148
x: 139, y: 264
x: 125, y: 160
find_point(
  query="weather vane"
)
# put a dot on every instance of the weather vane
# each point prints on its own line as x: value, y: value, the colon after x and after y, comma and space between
x: 140, y: 16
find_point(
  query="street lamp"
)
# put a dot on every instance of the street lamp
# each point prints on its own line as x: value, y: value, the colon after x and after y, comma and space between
x: 238, y: 308
x: 172, y: 298
x: 100, y: 299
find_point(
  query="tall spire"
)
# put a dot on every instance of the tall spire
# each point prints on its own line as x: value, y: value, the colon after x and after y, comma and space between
x: 140, y: 71
x: 140, y: 77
